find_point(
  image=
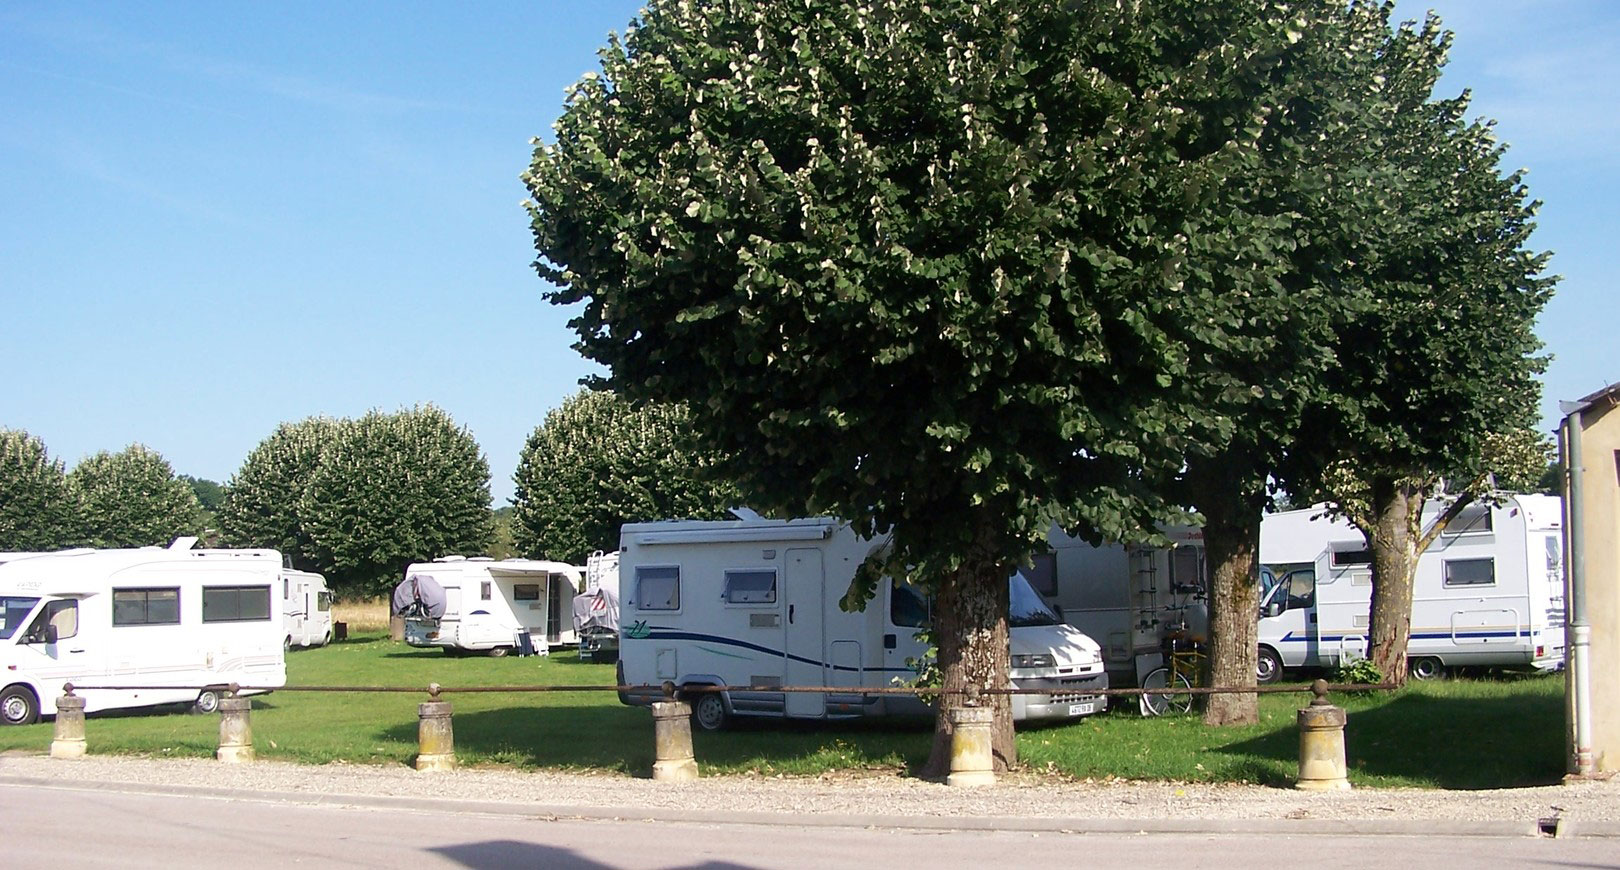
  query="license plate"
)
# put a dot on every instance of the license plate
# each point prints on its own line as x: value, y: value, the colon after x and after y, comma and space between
x: 1082, y: 709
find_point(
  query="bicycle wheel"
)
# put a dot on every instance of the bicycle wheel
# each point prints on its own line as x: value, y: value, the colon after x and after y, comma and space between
x: 1179, y: 702
x: 1154, y: 704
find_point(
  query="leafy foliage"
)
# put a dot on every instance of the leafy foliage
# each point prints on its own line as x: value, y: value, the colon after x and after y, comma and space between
x: 1361, y: 671
x: 36, y: 507
x: 393, y: 488
x: 597, y: 463
x: 209, y: 493
x: 131, y: 499
x: 262, y: 500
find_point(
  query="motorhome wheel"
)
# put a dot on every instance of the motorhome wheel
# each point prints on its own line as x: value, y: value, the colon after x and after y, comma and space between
x: 496, y: 652
x: 286, y: 644
x: 1267, y: 666
x: 709, y: 711
x: 207, y: 702
x: 1425, y: 668
x: 18, y: 706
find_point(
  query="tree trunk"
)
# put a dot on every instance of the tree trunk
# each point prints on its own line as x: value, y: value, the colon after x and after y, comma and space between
x: 970, y: 631
x: 1391, y: 536
x: 1231, y: 510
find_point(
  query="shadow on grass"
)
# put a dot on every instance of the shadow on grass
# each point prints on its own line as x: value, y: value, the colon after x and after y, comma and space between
x: 1446, y: 742
x: 621, y: 739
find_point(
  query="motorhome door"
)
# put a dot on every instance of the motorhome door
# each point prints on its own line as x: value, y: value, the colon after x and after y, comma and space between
x: 803, y: 642
x: 1343, y: 602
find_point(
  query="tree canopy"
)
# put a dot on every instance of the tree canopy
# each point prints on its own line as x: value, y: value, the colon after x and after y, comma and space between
x: 36, y: 507
x: 131, y: 499
x: 597, y: 462
x: 262, y: 503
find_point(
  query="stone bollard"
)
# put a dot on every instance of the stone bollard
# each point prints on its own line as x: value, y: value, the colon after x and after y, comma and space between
x: 1321, y: 744
x: 235, y: 727
x: 673, y: 760
x: 972, y: 756
x: 436, y: 742
x: 69, y: 737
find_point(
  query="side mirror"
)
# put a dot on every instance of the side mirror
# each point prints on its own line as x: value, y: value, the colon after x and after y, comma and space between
x: 50, y: 634
x: 1275, y: 608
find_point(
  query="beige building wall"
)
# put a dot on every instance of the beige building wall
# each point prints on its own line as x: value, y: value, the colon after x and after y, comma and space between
x: 1600, y: 533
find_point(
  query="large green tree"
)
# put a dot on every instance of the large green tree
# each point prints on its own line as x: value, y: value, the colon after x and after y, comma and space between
x: 36, y: 507
x: 391, y: 489
x: 1435, y: 380
x: 263, y: 500
x: 932, y: 267
x: 597, y: 462
x: 131, y: 499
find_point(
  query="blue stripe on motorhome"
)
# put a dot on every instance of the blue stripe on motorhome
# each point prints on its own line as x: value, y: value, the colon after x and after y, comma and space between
x: 665, y: 634
x: 1292, y: 637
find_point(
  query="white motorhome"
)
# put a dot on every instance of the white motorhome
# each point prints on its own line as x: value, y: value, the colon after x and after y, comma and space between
x: 483, y: 605
x: 754, y: 603
x: 1131, y: 598
x: 306, y: 609
x: 1488, y: 591
x: 190, y: 620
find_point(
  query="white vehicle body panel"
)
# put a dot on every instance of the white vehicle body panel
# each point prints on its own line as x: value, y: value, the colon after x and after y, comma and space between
x: 141, y: 617
x: 306, y: 609
x: 497, y: 605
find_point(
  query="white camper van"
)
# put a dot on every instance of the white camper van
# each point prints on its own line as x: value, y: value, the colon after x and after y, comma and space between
x: 483, y: 605
x: 190, y: 620
x: 306, y: 609
x: 1488, y: 591
x: 755, y: 603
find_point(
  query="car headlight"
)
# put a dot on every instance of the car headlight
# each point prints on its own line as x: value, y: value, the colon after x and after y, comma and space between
x: 1039, y: 660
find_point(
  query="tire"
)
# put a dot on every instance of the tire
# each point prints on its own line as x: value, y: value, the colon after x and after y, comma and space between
x: 286, y: 645
x: 1162, y: 704
x: 496, y: 652
x: 709, y: 712
x: 207, y: 702
x: 19, y: 706
x: 1425, y: 668
x: 1268, y: 666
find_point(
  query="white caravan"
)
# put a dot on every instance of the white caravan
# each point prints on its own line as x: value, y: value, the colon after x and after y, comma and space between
x: 483, y: 605
x: 754, y: 603
x: 1488, y: 591
x: 1131, y: 598
x: 306, y: 609
x: 190, y: 620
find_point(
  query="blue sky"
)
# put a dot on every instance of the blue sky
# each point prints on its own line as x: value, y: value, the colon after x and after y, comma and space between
x: 218, y: 217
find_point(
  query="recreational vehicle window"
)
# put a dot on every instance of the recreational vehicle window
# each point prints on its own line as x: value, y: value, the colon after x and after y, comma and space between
x: 323, y: 601
x: 907, y: 609
x: 523, y: 591
x: 146, y: 606
x: 1186, y: 571
x: 658, y: 587
x: 1471, y: 572
x: 15, y: 609
x: 1473, y: 520
x: 1042, y: 573
x: 63, y: 616
x: 1351, y: 553
x: 751, y: 587
x: 483, y: 590
x: 235, y: 603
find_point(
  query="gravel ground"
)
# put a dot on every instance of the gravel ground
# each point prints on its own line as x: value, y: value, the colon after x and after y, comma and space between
x: 888, y: 796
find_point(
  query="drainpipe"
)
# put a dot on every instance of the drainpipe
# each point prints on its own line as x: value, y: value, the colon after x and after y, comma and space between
x: 1580, y: 630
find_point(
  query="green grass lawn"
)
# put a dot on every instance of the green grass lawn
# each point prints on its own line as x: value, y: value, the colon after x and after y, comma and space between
x: 1460, y: 733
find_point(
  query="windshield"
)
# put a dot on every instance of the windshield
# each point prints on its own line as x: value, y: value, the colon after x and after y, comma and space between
x: 1025, y: 606
x: 14, y: 609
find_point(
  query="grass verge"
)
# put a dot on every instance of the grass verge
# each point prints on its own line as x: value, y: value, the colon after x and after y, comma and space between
x: 1460, y: 733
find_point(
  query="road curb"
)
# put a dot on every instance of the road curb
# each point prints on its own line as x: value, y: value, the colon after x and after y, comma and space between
x: 1561, y: 829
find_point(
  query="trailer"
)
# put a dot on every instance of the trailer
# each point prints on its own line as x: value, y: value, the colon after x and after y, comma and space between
x: 1488, y: 591
x: 493, y: 607
x: 192, y: 621
x: 755, y: 603
x: 306, y: 609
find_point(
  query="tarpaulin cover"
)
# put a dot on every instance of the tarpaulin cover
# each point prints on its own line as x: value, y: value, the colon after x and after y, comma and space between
x: 599, y: 609
x: 419, y: 596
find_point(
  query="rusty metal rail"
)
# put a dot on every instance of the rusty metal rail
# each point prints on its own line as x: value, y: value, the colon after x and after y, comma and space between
x: 696, y: 688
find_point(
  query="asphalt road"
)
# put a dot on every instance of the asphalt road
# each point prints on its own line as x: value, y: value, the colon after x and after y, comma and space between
x: 129, y: 827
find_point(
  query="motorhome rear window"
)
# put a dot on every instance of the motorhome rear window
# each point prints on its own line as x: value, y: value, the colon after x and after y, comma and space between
x: 526, y: 592
x: 750, y: 587
x: 1471, y: 572
x: 1351, y: 554
x: 235, y: 603
x: 1473, y: 520
x: 146, y: 606
x: 658, y: 587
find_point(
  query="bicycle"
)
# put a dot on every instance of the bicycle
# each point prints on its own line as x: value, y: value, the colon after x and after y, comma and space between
x: 1183, y: 670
